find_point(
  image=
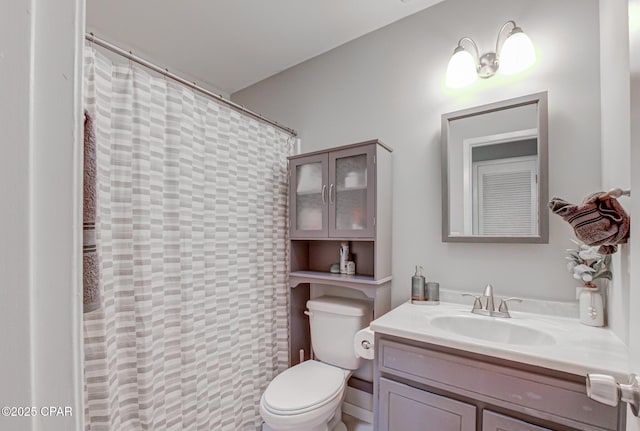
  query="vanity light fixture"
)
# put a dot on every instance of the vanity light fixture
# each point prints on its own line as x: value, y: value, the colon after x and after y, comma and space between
x: 514, y: 55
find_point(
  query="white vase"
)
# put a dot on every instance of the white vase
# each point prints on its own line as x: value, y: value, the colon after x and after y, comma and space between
x: 591, y: 306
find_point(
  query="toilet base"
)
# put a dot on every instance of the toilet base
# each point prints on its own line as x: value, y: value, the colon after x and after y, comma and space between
x: 335, y: 424
x: 339, y: 427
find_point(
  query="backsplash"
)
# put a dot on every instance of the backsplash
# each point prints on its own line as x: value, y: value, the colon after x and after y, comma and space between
x: 528, y: 305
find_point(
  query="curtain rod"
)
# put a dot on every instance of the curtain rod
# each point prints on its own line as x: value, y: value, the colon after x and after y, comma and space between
x: 130, y: 56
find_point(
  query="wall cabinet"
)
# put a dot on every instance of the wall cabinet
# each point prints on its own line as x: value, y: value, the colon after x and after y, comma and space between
x: 335, y: 195
x: 419, y: 385
x: 308, y: 196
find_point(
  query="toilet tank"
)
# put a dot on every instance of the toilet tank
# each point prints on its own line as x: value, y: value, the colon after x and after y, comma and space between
x: 334, y: 321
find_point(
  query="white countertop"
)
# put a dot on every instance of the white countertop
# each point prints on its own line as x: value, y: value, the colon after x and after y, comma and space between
x: 576, y: 349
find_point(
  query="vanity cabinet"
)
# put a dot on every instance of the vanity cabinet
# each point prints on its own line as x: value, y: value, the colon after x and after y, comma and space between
x: 406, y: 408
x: 335, y: 195
x: 496, y: 422
x: 419, y: 384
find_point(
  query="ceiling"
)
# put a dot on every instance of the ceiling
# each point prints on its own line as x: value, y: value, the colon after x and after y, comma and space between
x: 228, y: 45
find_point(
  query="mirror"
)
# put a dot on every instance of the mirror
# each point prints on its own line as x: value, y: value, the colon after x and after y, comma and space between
x: 494, y: 172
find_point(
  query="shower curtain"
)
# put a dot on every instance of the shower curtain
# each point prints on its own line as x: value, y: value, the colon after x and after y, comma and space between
x: 191, y: 233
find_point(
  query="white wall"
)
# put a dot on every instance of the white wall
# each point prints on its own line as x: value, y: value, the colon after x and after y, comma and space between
x: 389, y: 85
x: 56, y: 217
x: 615, y: 148
x: 15, y: 350
x: 633, y: 423
x: 40, y: 296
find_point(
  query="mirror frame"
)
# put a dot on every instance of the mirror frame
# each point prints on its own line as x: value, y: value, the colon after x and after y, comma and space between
x: 543, y: 170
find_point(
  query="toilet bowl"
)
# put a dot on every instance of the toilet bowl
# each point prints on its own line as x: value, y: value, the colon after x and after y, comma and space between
x: 305, y: 397
x: 308, y: 396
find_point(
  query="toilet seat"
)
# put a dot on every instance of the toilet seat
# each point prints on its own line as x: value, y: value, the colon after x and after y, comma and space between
x: 303, y: 388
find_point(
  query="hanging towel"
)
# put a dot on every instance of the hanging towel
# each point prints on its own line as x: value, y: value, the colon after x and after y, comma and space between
x: 599, y: 220
x: 90, y: 268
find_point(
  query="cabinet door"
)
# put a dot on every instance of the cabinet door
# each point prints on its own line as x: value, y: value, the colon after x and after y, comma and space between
x: 405, y: 408
x: 495, y: 422
x: 308, y: 196
x: 352, y: 192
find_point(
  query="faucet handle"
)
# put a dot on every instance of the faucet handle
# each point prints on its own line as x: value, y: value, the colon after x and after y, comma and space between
x: 503, y: 304
x: 477, y: 304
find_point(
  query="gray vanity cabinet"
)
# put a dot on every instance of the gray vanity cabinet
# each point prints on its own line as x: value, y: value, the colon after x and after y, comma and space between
x: 418, y: 384
x: 496, y: 422
x: 407, y: 408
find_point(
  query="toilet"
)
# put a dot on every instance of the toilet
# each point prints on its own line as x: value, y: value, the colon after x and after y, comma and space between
x: 308, y: 396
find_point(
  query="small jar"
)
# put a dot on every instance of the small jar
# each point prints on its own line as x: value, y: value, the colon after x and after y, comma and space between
x: 351, y: 268
x: 433, y: 292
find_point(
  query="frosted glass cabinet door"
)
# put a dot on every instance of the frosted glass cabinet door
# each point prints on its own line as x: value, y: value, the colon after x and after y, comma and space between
x: 352, y: 192
x: 308, y: 197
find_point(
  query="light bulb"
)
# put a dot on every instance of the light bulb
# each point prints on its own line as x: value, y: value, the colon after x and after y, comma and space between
x: 461, y: 70
x: 517, y: 53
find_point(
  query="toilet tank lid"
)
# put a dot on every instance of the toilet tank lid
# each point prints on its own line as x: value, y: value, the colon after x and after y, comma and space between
x: 339, y: 305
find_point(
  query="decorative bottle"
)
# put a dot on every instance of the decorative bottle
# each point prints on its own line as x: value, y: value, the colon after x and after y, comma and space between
x: 591, y: 305
x: 344, y: 257
x: 418, y: 287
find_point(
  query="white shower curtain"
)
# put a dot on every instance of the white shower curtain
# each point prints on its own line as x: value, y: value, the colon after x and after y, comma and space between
x: 192, y: 225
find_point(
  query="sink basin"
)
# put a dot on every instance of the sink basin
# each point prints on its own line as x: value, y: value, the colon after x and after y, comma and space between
x: 492, y: 329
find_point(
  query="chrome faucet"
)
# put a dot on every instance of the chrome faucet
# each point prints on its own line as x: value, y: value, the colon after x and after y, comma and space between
x: 488, y: 293
x: 490, y: 309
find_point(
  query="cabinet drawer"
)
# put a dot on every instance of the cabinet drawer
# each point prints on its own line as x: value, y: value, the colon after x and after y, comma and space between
x: 534, y: 394
x: 405, y: 408
x: 496, y: 422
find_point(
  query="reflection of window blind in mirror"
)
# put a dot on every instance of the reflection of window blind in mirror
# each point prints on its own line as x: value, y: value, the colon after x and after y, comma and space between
x: 505, y: 150
x: 506, y: 198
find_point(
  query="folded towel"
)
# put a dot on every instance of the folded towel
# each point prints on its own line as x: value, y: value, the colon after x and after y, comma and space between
x: 598, y: 220
x: 90, y: 265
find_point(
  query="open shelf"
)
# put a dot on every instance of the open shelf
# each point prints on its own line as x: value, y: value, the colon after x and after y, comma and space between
x: 315, y: 257
x: 297, y: 277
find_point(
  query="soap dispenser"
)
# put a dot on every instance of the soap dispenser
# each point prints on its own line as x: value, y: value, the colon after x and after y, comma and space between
x: 418, y: 287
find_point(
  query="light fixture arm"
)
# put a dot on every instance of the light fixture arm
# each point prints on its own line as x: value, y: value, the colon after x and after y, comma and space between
x: 504, y: 26
x: 475, y: 47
